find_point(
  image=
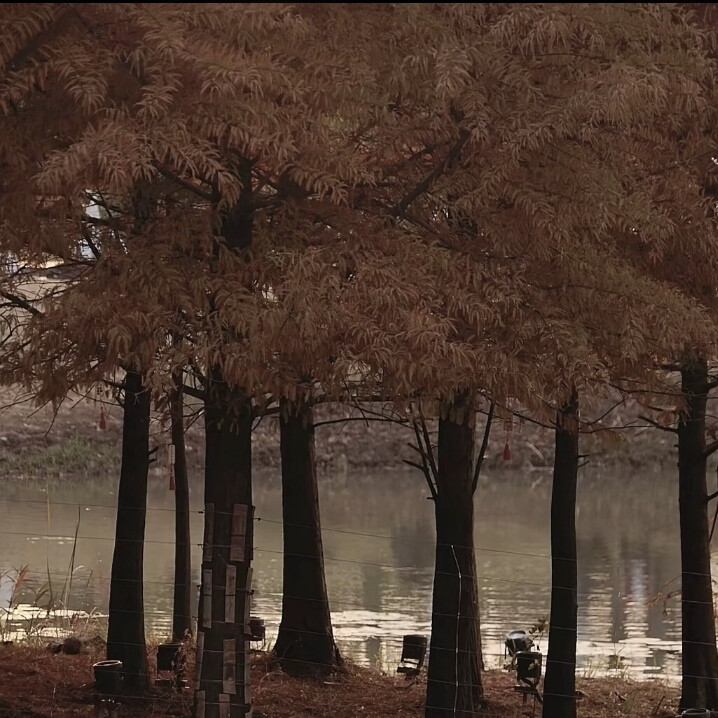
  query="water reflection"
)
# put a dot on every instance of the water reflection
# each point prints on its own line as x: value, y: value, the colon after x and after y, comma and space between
x: 379, y: 551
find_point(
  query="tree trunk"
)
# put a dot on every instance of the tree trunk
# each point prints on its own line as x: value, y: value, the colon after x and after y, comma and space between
x: 454, y: 676
x: 181, y: 613
x: 305, y: 643
x: 560, y: 680
x: 126, y: 627
x: 700, y: 659
x: 223, y: 624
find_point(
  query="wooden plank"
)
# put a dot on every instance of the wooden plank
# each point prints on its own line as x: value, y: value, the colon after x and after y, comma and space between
x: 230, y: 594
x: 208, y: 532
x: 198, y: 662
x: 240, y: 515
x: 223, y: 705
x: 247, y: 672
x: 229, y: 670
x: 207, y: 598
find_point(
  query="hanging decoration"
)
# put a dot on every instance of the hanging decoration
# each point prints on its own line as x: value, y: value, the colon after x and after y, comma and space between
x: 103, y: 420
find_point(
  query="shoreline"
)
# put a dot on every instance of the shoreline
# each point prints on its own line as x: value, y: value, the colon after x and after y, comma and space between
x: 34, y: 443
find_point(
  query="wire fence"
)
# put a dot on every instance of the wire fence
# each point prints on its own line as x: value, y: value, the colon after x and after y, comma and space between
x: 368, y: 629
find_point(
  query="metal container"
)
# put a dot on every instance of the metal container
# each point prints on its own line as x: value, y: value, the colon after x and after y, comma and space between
x: 108, y: 677
x: 518, y: 641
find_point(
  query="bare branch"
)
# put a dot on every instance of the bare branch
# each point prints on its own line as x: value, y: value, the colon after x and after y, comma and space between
x: 20, y: 302
x: 356, y: 418
x: 657, y: 425
x: 482, y: 450
x: 427, y: 446
x: 423, y: 467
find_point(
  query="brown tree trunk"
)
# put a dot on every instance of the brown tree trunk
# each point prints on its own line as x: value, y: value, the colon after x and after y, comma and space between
x: 305, y: 643
x: 454, y: 675
x: 181, y: 612
x: 126, y: 622
x: 560, y: 680
x: 223, y: 622
x: 700, y: 658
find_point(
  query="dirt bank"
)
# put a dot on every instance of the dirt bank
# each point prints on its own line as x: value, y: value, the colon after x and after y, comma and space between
x: 38, y: 442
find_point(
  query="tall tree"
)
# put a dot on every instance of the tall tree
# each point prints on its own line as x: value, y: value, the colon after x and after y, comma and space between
x: 126, y: 622
x: 182, y: 597
x: 305, y: 641
x: 454, y: 674
x: 698, y: 633
x: 559, y: 696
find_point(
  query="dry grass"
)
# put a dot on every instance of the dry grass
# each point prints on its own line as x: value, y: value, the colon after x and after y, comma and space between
x: 37, y: 684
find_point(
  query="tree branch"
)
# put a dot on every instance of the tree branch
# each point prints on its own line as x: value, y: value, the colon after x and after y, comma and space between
x: 185, y: 184
x: 427, y: 445
x: 657, y: 425
x: 482, y: 450
x: 20, y: 302
x: 196, y: 393
x: 357, y: 418
x: 429, y: 180
x: 423, y: 467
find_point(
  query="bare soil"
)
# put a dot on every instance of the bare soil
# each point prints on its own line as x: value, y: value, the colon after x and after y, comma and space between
x: 37, y: 684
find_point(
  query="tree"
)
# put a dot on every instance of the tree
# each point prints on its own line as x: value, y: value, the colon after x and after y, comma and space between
x: 455, y: 652
x: 307, y: 222
x: 305, y: 642
x: 559, y: 686
x: 181, y: 611
x: 126, y: 622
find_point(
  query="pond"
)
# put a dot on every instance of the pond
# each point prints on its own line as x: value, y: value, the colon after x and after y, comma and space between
x: 379, y: 555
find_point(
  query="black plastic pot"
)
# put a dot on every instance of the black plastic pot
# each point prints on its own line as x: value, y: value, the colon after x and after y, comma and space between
x: 696, y: 713
x: 168, y: 656
x: 108, y: 677
x: 257, y: 628
x: 528, y: 666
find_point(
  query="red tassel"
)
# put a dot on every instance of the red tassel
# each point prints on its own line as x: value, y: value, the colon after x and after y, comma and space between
x: 507, y: 451
x: 103, y: 422
x: 172, y: 478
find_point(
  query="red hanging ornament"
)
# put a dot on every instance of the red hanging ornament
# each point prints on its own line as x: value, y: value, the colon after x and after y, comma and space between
x: 103, y: 421
x: 507, y: 450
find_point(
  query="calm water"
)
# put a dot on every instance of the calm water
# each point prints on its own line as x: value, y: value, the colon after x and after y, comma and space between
x: 379, y: 556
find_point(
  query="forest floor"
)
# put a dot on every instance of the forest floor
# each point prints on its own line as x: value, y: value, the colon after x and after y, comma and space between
x: 38, y: 442
x: 37, y: 684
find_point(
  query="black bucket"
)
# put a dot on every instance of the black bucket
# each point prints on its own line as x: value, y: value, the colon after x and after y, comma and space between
x: 168, y: 656
x: 696, y: 713
x: 257, y: 629
x: 108, y: 677
x: 528, y: 666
